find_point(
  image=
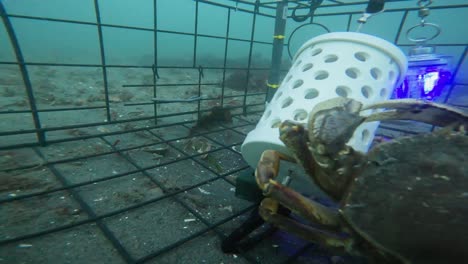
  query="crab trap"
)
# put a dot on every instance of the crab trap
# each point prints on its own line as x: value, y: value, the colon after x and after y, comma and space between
x: 130, y: 131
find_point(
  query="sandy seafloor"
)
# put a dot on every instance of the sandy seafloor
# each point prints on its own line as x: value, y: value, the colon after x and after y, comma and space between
x: 143, y: 230
x: 75, y: 87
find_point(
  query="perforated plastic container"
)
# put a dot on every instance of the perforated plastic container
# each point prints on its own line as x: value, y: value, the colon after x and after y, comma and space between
x: 348, y: 64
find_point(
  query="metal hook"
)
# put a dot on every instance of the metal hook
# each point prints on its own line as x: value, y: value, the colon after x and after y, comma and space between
x: 313, y: 5
x: 423, y: 13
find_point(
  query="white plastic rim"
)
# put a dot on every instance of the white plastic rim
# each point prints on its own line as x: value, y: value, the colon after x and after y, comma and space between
x: 354, y: 65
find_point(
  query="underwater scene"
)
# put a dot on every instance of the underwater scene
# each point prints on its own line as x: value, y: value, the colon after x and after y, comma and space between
x: 234, y: 131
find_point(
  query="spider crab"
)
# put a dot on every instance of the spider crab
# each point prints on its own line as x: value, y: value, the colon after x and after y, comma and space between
x: 406, y: 201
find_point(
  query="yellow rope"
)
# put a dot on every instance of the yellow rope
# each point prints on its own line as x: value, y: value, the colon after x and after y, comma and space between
x: 274, y: 86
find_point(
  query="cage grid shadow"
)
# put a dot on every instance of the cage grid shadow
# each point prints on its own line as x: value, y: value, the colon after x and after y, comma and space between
x: 143, y: 186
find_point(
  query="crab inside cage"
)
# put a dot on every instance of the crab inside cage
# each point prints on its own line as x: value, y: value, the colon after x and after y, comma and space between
x: 123, y: 125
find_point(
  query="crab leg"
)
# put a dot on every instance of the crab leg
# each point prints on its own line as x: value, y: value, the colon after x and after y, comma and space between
x: 422, y: 111
x: 267, y: 171
x: 268, y: 211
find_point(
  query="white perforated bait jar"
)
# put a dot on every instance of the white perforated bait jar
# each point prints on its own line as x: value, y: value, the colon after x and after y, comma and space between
x: 354, y: 65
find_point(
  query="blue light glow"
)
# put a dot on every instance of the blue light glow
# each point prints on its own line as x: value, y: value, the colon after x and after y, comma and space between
x: 424, y: 82
x: 430, y: 81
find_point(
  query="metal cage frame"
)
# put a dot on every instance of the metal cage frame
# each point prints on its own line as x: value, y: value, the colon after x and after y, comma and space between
x: 244, y: 120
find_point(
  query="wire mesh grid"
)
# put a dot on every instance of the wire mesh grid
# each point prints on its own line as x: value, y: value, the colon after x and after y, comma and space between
x: 136, y: 184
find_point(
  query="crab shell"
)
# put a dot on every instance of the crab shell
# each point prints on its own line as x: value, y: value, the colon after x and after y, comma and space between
x: 411, y: 198
x: 406, y: 201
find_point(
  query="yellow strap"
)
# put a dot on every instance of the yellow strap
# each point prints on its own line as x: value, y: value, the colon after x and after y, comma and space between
x: 278, y: 36
x: 274, y: 86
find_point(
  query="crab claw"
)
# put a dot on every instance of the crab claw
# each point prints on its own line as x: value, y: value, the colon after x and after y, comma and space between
x: 418, y: 110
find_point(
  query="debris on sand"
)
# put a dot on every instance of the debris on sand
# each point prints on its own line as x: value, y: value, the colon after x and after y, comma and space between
x: 216, y: 115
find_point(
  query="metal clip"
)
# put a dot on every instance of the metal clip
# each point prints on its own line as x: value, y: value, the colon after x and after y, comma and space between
x: 424, y: 3
x: 155, y: 70
x: 423, y: 10
x: 257, y: 7
x: 200, y: 71
x: 423, y: 13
